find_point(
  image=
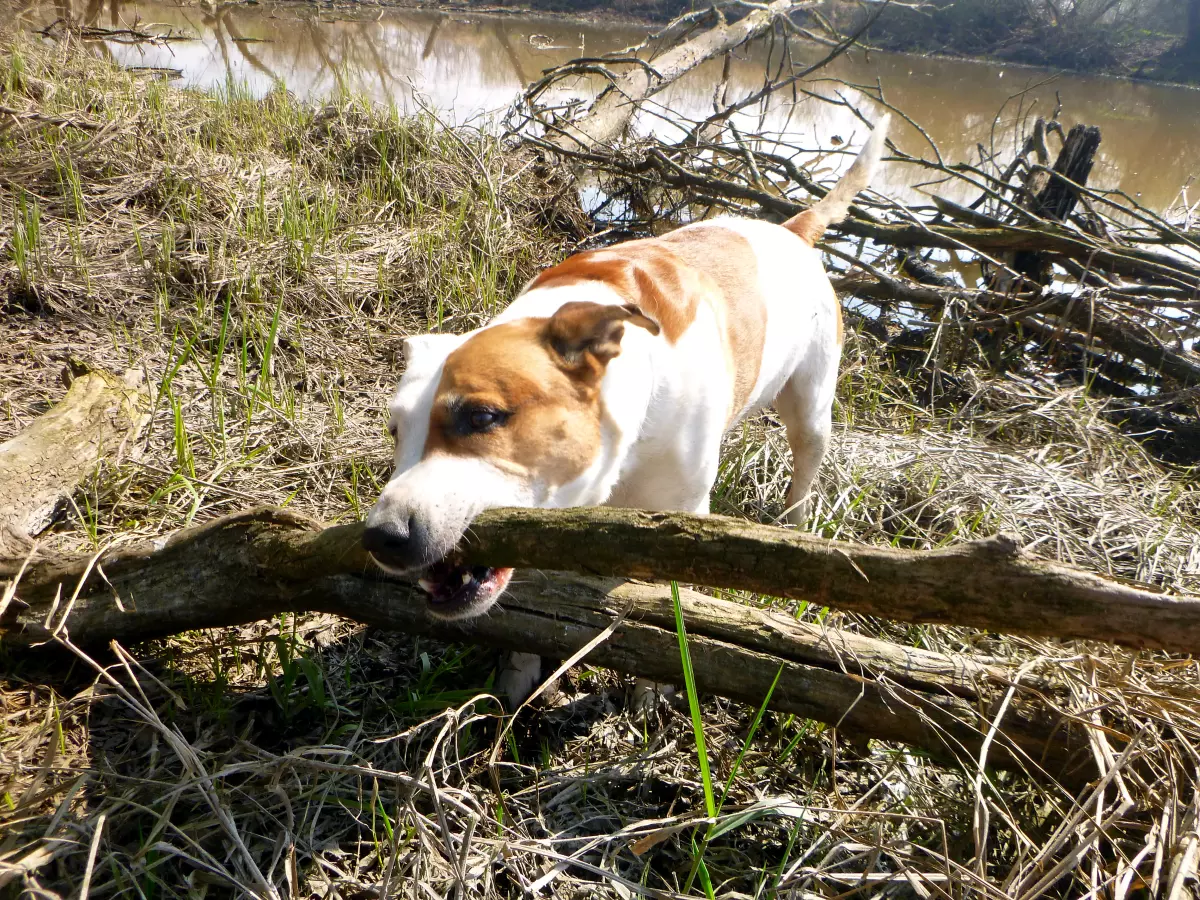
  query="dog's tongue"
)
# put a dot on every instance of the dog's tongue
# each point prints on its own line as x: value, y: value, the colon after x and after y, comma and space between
x: 444, y: 581
x: 456, y: 591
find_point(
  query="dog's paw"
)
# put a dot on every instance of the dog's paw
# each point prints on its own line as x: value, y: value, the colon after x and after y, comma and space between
x: 799, y: 510
x: 519, y: 675
x: 649, y: 700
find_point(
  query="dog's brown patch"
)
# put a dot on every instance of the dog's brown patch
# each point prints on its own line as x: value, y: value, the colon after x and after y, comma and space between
x: 543, y: 376
x: 644, y: 272
x: 587, y: 336
x: 728, y: 259
x: 669, y: 277
x: 808, y: 226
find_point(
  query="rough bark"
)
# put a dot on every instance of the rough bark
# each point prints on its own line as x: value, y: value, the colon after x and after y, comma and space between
x: 609, y: 116
x: 1057, y: 199
x: 42, y: 466
x: 259, y: 564
x: 989, y: 584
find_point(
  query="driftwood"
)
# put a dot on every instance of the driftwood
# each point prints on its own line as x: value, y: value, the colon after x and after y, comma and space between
x: 42, y: 466
x: 607, y: 118
x: 1074, y: 319
x: 256, y: 565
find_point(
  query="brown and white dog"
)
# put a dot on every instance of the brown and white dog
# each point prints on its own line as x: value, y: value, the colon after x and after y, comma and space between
x: 611, y: 380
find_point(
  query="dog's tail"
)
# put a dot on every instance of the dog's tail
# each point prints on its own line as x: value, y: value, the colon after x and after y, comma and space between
x: 810, y: 225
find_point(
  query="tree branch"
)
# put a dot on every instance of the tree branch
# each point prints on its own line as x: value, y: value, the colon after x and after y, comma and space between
x: 607, y: 118
x: 258, y: 564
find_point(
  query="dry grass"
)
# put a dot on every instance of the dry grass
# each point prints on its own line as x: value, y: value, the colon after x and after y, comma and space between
x: 260, y: 260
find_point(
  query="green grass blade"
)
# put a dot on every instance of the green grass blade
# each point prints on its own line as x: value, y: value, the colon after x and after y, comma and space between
x: 737, y: 763
x: 689, y: 681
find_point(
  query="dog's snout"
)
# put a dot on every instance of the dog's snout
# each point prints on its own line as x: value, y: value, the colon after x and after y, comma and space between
x: 396, y: 542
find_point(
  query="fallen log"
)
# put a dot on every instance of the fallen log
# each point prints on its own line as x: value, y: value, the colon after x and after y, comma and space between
x: 42, y: 466
x: 256, y: 565
x: 989, y: 584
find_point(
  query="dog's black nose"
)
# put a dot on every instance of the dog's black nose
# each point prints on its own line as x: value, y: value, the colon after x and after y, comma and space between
x: 392, y: 543
x: 388, y: 536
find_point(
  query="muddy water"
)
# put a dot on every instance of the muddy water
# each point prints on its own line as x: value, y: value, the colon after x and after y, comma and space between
x: 470, y: 66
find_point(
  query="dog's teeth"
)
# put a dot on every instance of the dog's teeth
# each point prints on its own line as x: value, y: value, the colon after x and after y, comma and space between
x: 426, y: 585
x: 466, y: 577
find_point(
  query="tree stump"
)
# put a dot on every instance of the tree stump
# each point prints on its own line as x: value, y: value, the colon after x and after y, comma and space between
x: 1052, y: 195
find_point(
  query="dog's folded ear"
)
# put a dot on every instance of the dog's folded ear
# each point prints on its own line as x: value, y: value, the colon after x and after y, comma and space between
x: 589, y: 334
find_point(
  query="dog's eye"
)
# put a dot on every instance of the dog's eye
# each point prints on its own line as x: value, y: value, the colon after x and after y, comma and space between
x: 392, y: 430
x: 480, y: 420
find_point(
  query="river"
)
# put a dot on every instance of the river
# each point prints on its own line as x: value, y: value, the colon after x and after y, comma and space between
x: 470, y: 66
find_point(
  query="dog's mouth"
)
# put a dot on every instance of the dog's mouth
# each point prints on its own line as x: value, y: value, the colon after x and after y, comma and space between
x: 462, y: 592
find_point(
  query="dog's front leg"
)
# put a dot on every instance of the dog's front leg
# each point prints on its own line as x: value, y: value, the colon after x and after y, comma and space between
x: 519, y: 675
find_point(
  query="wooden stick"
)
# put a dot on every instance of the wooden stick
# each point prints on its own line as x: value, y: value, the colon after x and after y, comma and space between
x: 990, y: 584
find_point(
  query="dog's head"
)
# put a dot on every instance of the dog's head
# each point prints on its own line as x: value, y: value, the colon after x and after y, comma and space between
x: 510, y: 415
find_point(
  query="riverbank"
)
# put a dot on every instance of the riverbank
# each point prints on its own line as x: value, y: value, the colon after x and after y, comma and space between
x: 1141, y: 43
x: 469, y: 67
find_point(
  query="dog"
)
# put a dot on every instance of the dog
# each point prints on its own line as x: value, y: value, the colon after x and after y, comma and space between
x: 610, y: 380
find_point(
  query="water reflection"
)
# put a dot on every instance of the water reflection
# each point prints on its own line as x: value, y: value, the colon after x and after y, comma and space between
x: 468, y: 66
